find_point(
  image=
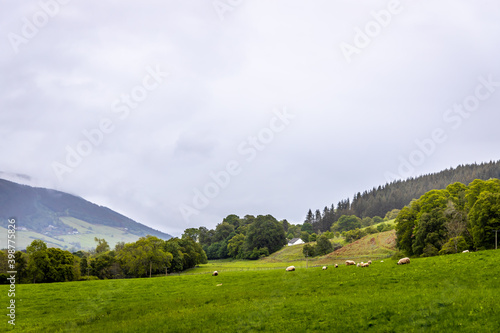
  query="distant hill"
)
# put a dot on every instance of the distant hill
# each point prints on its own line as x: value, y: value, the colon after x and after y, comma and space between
x: 395, y: 195
x: 63, y: 220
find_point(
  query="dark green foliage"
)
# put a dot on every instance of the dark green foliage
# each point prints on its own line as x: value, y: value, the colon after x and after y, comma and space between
x: 483, y: 200
x: 454, y: 245
x: 60, y: 266
x: 323, y: 246
x: 347, y: 222
x: 354, y: 235
x: 391, y: 214
x: 235, y: 246
x: 450, y: 220
x: 304, y: 235
x: 307, y: 227
x: 265, y: 232
x: 308, y: 250
x: 257, y: 253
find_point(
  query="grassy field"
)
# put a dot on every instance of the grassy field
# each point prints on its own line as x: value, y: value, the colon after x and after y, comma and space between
x: 440, y: 294
x: 372, y: 247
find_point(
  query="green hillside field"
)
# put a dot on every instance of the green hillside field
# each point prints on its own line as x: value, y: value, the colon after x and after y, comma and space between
x: 84, y: 239
x: 438, y: 294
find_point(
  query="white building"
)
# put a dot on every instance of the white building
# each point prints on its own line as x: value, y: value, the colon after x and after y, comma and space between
x: 295, y: 241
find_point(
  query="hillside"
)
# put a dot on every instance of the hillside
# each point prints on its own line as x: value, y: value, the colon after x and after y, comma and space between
x: 375, y: 246
x: 63, y: 220
x: 398, y: 193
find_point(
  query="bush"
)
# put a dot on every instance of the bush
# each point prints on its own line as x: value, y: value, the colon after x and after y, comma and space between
x: 323, y: 246
x: 304, y: 235
x: 454, y: 245
x: 89, y: 278
x: 3, y: 278
x: 308, y: 250
x: 430, y: 251
x: 398, y: 255
x: 258, y: 253
x: 354, y: 235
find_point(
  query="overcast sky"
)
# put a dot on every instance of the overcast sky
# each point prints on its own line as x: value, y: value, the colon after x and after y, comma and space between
x: 179, y: 113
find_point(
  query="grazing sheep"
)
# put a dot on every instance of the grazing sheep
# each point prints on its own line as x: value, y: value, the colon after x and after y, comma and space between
x: 365, y: 264
x: 215, y: 273
x: 290, y: 268
x: 369, y: 262
x: 336, y: 266
x: 381, y: 261
x: 357, y: 265
x: 349, y: 262
x: 404, y: 261
x: 466, y: 251
x: 324, y: 267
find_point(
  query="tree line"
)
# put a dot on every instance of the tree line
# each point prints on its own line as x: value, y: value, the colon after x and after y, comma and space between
x: 146, y: 257
x: 380, y: 200
x: 451, y: 220
x: 249, y: 237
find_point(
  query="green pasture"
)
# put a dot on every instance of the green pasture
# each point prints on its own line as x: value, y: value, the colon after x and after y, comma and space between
x: 439, y: 294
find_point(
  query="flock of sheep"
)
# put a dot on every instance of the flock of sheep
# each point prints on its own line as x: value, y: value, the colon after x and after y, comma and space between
x: 353, y: 263
x: 402, y: 261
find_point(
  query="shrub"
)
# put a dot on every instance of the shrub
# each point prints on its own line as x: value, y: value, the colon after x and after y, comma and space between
x: 430, y: 251
x: 354, y: 235
x: 89, y: 278
x: 454, y: 245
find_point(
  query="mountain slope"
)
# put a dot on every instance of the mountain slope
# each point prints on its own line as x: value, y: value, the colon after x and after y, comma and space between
x: 64, y: 220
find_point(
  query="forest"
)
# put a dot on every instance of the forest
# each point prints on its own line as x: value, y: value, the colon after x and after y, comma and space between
x: 378, y: 201
x: 147, y: 256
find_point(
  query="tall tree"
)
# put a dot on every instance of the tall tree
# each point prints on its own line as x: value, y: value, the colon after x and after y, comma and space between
x: 38, y: 261
x: 265, y: 232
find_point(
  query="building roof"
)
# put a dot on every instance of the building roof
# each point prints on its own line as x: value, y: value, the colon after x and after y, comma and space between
x: 294, y: 240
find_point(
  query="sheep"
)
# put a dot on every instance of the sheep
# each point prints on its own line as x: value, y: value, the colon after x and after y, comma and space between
x: 466, y: 251
x: 324, y: 268
x: 349, y: 262
x: 215, y: 273
x: 290, y: 268
x: 365, y: 264
x: 369, y: 262
x: 404, y: 261
x: 357, y: 265
x: 336, y: 266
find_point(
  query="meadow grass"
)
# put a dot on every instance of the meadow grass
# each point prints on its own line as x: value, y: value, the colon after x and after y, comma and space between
x: 440, y: 294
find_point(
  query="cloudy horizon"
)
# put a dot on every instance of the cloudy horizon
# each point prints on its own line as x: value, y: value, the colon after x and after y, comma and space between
x: 177, y: 114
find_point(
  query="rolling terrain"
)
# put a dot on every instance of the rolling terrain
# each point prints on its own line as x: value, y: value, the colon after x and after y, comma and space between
x: 63, y: 220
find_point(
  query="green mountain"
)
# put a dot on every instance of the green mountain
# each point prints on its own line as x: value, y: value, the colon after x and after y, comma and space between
x: 63, y: 220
